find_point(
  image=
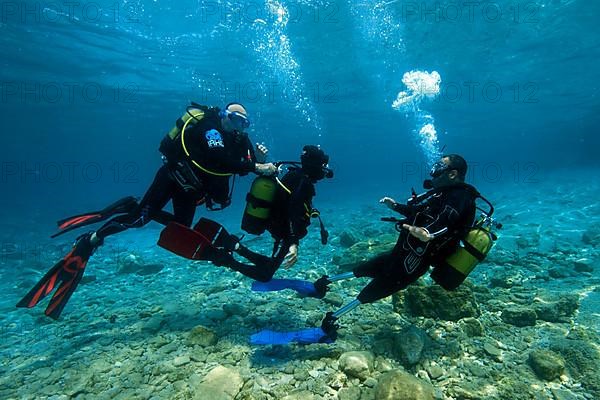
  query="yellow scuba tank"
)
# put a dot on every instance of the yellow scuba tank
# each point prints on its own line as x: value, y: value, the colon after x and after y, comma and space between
x: 170, y: 146
x: 259, y: 202
x: 472, y: 249
x: 191, y: 112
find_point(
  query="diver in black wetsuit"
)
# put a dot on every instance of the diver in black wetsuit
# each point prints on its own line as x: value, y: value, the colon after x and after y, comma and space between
x: 205, y: 148
x: 430, y: 232
x: 198, y: 162
x: 289, y: 219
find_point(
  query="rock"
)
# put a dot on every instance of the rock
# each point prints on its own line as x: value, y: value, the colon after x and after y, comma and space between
x: 519, y: 316
x: 435, y: 372
x: 88, y: 279
x: 492, y: 350
x: 349, y: 393
x: 562, y: 394
x: 397, y: 384
x: 299, y: 395
x: 523, y: 242
x: 357, y: 364
x: 583, y: 265
x: 153, y: 324
x: 558, y: 311
x: 370, y: 382
x: 435, y: 302
x: 201, y: 336
x: 581, y: 360
x: 409, y: 345
x: 471, y: 327
x: 220, y: 383
x: 129, y: 264
x: 234, y: 309
x: 334, y: 299
x: 504, y: 281
x: 181, y: 360
x: 546, y: 364
x: 216, y: 314
x: 592, y: 236
x: 149, y: 269
x: 347, y: 239
x: 558, y: 273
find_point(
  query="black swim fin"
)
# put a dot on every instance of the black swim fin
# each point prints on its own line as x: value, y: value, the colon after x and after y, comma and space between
x: 67, y: 272
x: 124, y: 205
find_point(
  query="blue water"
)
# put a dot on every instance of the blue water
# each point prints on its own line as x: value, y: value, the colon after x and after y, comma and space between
x: 88, y: 90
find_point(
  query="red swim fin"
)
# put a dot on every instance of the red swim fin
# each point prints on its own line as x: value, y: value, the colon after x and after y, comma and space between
x: 124, y: 205
x: 67, y: 274
x: 184, y: 242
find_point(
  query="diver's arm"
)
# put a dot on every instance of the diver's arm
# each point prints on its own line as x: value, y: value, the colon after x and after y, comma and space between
x: 403, y: 209
x: 442, y: 225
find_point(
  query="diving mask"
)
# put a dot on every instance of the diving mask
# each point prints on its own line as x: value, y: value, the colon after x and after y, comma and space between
x: 239, y: 121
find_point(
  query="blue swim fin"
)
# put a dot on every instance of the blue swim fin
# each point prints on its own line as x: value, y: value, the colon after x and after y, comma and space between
x: 304, y: 288
x: 304, y: 336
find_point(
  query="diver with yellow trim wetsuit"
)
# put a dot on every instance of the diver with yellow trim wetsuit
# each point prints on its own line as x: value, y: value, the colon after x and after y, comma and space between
x: 289, y: 213
x: 205, y: 148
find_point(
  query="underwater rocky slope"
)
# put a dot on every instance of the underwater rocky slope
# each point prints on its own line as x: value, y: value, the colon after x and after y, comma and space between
x: 147, y: 325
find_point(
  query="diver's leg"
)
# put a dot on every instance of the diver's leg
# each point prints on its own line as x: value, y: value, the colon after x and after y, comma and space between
x: 249, y: 270
x: 370, y: 268
x: 157, y: 196
x: 255, y: 258
x: 373, y: 267
x: 264, y: 267
x: 184, y: 207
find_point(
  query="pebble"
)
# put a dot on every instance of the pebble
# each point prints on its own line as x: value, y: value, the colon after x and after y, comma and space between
x: 181, y: 360
x: 492, y: 350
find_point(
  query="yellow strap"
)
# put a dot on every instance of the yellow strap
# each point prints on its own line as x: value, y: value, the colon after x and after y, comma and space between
x: 187, y: 153
x: 283, y: 186
x: 308, y: 210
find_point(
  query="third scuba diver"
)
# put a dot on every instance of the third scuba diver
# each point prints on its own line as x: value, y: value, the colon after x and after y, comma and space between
x: 435, y: 223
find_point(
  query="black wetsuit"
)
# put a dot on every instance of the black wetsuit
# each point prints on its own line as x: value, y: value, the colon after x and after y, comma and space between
x: 185, y: 184
x: 446, y: 215
x: 288, y: 223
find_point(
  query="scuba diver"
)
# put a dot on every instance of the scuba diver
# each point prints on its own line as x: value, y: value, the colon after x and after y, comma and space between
x: 283, y: 207
x: 202, y: 151
x: 435, y: 223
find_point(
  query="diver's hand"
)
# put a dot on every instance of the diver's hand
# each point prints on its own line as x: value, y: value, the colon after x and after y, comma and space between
x: 389, y: 202
x: 261, y: 153
x: 292, y: 256
x: 420, y: 233
x: 267, y: 169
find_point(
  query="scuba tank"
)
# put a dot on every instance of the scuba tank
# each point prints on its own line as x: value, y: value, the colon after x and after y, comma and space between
x: 258, y: 205
x: 474, y: 246
x: 170, y: 146
x: 260, y: 201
